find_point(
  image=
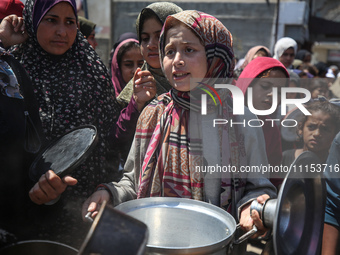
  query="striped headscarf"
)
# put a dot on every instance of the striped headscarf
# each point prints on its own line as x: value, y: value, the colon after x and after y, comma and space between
x: 173, y: 148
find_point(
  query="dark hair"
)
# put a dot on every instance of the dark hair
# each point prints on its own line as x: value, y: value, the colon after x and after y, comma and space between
x: 123, y: 49
x: 267, y: 72
x: 122, y: 37
x: 311, y: 68
x: 322, y: 69
x: 264, y: 51
x: 316, y: 83
x: 146, y: 15
x: 326, y: 108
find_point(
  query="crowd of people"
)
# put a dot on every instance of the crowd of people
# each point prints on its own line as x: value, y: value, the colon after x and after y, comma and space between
x: 152, y: 136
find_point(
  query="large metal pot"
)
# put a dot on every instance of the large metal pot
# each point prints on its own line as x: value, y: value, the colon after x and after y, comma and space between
x: 182, y: 226
x: 38, y: 247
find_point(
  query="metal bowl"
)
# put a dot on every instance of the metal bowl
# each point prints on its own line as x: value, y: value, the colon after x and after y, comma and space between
x: 182, y: 226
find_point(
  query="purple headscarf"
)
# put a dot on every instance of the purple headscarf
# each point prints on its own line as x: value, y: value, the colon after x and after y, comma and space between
x: 41, y: 7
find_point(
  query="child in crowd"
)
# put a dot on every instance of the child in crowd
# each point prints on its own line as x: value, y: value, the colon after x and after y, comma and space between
x: 148, y: 26
x: 262, y: 75
x: 318, y: 87
x: 165, y: 152
x: 317, y: 131
x: 122, y: 37
x: 125, y: 61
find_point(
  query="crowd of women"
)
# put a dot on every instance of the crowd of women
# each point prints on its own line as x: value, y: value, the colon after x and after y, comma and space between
x: 141, y: 106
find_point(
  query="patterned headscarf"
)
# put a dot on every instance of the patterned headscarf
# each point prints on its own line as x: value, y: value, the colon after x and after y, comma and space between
x: 174, y: 150
x: 216, y: 37
x: 9, y: 85
x: 73, y: 89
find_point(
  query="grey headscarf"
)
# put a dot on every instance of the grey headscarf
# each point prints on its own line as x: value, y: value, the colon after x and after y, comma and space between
x: 161, y: 10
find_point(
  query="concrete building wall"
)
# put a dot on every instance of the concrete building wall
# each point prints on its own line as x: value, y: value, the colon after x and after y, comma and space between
x: 250, y: 24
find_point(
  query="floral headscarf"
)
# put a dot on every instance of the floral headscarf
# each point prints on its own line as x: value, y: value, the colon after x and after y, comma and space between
x: 72, y: 90
x: 9, y: 85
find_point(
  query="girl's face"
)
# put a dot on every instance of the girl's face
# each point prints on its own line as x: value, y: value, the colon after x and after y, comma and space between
x: 318, y: 133
x: 319, y: 91
x: 131, y: 60
x: 263, y: 89
x: 149, y: 41
x: 307, y: 58
x: 287, y: 57
x: 58, y: 29
x: 92, y: 40
x: 184, y: 57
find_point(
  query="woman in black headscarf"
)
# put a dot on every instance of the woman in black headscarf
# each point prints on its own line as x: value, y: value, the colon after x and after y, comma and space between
x: 73, y: 88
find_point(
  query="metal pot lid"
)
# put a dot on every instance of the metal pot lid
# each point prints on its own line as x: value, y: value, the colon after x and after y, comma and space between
x: 114, y: 233
x: 180, y: 224
x: 65, y: 153
x: 300, y: 207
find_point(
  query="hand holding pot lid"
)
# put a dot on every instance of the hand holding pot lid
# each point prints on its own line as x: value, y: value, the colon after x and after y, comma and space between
x: 49, y: 187
x: 52, y: 166
x: 92, y: 205
x: 248, y: 218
